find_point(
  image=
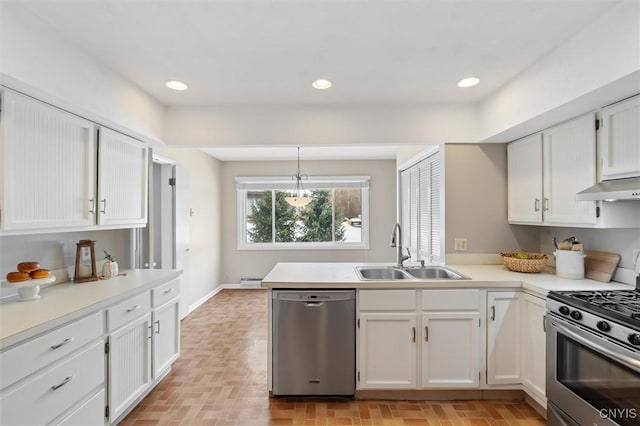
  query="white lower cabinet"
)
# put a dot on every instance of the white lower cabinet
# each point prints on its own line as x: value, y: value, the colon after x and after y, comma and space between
x: 451, y: 338
x: 503, y: 337
x: 445, y: 322
x: 533, y: 354
x: 387, y: 323
x: 129, y: 364
x: 166, y: 337
x: 387, y: 350
x: 89, y: 413
x: 41, y: 398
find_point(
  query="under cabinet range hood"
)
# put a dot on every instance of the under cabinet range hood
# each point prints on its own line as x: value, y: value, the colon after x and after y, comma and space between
x: 612, y: 190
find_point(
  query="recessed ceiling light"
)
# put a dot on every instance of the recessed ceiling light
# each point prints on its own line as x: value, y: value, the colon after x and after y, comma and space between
x: 468, y: 82
x: 322, y: 84
x: 176, y: 85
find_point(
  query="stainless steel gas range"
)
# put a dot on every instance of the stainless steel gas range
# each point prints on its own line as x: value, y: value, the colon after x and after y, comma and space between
x: 593, y: 357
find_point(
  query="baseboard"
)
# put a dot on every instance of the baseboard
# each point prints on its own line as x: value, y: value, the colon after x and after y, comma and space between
x: 215, y: 291
x: 440, y: 394
x: 533, y: 403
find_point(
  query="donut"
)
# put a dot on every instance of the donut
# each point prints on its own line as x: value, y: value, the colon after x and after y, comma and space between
x: 17, y: 277
x: 28, y: 266
x: 40, y: 273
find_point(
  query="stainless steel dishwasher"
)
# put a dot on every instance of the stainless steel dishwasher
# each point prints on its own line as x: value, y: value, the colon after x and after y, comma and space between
x: 314, y: 342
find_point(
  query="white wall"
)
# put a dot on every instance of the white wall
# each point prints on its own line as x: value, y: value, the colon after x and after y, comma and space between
x: 476, y: 202
x: 566, y: 82
x: 34, y: 55
x: 257, y: 263
x: 205, y: 226
x: 58, y: 250
x: 319, y: 124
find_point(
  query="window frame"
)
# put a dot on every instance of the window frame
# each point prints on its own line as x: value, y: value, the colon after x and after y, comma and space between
x: 286, y: 184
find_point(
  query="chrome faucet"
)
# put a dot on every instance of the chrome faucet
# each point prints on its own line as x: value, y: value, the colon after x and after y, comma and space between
x: 396, y: 241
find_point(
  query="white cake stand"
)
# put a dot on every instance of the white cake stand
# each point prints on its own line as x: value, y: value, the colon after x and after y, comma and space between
x: 29, y: 290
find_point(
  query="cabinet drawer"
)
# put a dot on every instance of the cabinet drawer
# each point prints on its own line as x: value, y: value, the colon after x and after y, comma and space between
x: 88, y: 414
x: 126, y: 311
x: 446, y: 300
x: 35, y: 354
x: 165, y: 292
x: 387, y: 300
x: 48, y: 395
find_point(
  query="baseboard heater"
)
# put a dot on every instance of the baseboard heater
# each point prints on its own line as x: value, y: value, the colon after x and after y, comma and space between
x: 251, y: 282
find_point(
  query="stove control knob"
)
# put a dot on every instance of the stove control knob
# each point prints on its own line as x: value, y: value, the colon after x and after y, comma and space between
x: 634, y: 339
x: 564, y: 310
x: 576, y: 315
x: 603, y: 326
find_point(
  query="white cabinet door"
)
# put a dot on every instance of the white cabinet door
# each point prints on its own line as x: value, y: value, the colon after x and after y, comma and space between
x: 123, y: 168
x: 620, y: 140
x: 524, y: 176
x: 450, y: 349
x: 129, y: 364
x: 48, y: 166
x: 569, y: 167
x: 503, y: 337
x: 387, y: 356
x: 533, y: 356
x: 166, y: 337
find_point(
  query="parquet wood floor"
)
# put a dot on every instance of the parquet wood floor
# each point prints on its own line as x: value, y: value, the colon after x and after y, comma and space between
x: 221, y: 379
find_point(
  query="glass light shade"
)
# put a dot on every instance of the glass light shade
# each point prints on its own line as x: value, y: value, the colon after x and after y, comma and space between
x: 298, y: 201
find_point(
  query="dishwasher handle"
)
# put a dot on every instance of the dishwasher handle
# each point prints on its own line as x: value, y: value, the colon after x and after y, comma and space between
x: 313, y: 304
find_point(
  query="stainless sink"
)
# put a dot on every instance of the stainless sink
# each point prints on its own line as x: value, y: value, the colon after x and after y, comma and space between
x: 381, y: 273
x: 390, y: 273
x: 435, y: 273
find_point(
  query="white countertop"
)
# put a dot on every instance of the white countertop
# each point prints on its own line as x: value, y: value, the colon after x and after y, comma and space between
x: 343, y: 275
x: 65, y: 302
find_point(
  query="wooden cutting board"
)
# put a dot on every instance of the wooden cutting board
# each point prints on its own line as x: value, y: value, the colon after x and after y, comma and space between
x: 600, y: 265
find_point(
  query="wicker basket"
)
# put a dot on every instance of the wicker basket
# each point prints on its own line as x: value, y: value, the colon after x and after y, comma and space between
x: 535, y: 262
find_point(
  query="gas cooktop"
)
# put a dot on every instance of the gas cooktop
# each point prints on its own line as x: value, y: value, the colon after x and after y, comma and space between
x: 622, y: 306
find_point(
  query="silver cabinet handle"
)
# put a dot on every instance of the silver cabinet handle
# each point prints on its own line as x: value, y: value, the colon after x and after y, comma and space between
x: 413, y: 333
x: 536, y: 205
x: 150, y: 331
x: 168, y: 291
x: 544, y: 323
x: 158, y: 322
x: 426, y: 334
x: 92, y: 209
x: 133, y: 309
x: 493, y: 313
x: 64, y: 382
x: 61, y: 344
x: 545, y: 205
x: 104, y: 205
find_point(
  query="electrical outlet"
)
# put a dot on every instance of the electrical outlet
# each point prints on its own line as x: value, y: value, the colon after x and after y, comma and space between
x: 460, y: 244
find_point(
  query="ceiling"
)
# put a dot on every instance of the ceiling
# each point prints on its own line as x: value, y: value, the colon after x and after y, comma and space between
x: 276, y: 153
x: 269, y: 51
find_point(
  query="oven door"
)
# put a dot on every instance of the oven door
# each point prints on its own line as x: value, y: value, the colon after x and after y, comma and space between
x: 591, y: 379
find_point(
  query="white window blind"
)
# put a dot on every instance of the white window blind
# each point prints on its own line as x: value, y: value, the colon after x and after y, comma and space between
x: 421, y: 209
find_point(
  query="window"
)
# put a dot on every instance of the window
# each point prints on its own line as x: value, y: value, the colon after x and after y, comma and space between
x: 337, y: 217
x: 421, y: 209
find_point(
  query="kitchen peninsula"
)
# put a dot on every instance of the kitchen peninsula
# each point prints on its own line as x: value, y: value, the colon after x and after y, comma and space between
x: 481, y: 337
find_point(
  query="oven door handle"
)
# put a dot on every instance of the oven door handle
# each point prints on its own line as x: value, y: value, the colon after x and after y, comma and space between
x: 621, y: 358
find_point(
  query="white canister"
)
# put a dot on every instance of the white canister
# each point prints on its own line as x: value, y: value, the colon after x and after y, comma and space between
x: 569, y: 264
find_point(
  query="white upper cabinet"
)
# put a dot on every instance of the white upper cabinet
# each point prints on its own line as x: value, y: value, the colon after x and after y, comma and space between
x: 524, y: 168
x: 48, y: 163
x: 546, y: 170
x: 59, y: 173
x: 123, y: 165
x: 569, y: 159
x: 620, y: 140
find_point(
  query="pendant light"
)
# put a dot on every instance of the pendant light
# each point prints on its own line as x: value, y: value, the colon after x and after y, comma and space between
x: 299, y: 197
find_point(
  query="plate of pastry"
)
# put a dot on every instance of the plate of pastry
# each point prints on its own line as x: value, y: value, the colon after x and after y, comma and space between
x: 28, y: 279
